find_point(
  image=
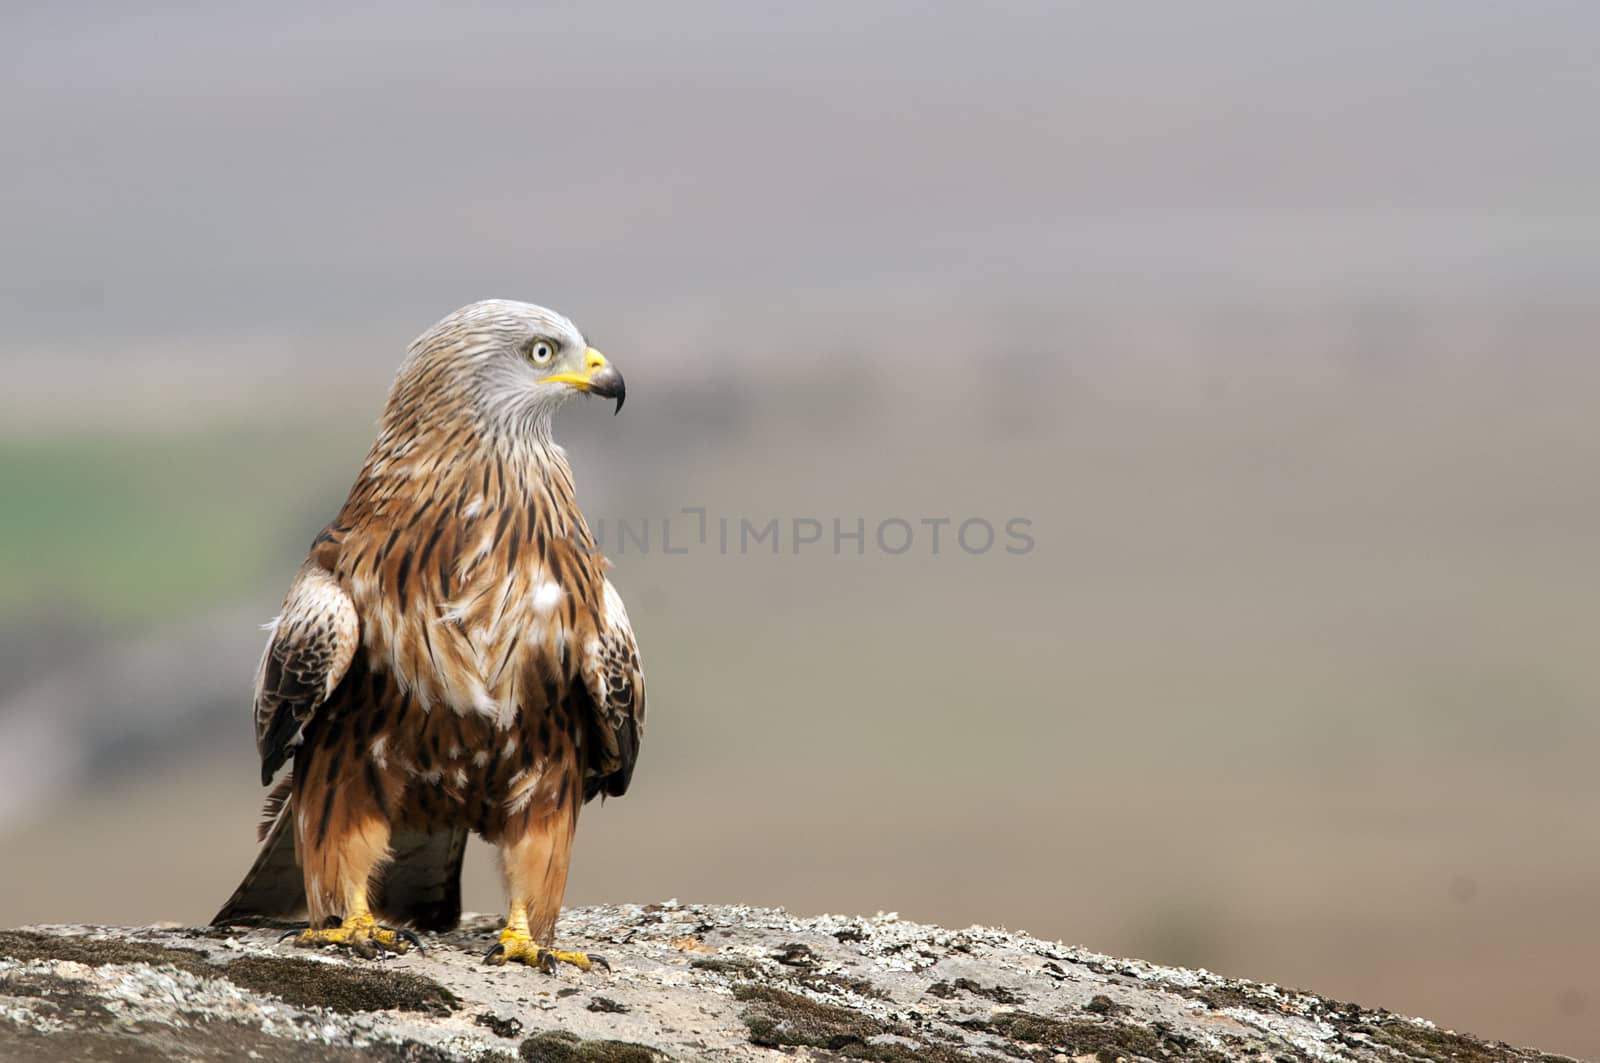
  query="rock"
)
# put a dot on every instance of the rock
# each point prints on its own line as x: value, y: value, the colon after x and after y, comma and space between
x: 687, y: 982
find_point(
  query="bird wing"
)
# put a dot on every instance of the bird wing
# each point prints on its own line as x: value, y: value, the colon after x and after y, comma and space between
x: 615, y: 685
x: 313, y: 640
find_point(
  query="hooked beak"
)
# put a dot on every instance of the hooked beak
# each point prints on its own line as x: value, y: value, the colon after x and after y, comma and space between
x: 599, y: 377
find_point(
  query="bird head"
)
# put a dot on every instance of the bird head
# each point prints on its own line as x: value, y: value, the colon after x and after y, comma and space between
x: 514, y: 363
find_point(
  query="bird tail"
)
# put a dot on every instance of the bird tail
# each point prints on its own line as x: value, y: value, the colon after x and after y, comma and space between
x: 273, y: 888
x: 420, y: 887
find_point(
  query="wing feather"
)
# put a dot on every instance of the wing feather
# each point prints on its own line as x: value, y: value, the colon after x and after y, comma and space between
x: 313, y: 641
x: 614, y: 682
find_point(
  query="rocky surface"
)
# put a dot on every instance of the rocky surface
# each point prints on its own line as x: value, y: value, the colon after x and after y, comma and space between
x: 687, y: 982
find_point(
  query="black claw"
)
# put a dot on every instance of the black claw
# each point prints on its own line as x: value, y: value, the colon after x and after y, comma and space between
x: 408, y: 936
x: 598, y: 961
x: 497, y: 951
x: 547, y: 962
x: 287, y: 934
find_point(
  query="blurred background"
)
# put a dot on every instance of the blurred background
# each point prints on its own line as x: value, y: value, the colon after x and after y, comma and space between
x: 1277, y: 322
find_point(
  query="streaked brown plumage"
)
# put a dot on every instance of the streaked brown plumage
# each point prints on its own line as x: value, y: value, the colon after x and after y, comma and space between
x: 451, y: 656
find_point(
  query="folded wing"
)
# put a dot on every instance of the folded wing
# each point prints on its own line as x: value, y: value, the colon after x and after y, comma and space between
x: 614, y: 683
x: 311, y: 646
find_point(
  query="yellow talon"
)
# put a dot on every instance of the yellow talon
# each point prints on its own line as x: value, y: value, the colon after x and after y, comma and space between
x: 519, y: 948
x: 362, y: 934
x: 580, y: 960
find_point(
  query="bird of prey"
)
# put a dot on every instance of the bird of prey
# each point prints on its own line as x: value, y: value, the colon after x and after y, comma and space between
x: 450, y: 658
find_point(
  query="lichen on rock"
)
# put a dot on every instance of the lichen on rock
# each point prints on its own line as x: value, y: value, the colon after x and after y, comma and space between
x: 687, y: 982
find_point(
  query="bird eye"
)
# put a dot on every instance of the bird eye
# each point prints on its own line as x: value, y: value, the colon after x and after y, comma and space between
x: 541, y: 351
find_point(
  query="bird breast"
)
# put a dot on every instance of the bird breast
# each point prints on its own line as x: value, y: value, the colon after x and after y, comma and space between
x: 481, y: 632
x: 474, y: 579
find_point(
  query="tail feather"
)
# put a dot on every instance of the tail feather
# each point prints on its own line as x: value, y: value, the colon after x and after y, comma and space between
x: 420, y: 887
x: 273, y: 887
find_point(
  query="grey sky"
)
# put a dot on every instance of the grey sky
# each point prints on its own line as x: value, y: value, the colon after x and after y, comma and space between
x: 184, y: 173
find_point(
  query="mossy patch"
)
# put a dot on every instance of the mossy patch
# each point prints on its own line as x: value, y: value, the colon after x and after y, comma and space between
x: 341, y: 988
x: 1104, y: 1039
x: 1271, y: 1000
x: 1220, y: 998
x: 1100, y: 1004
x: 836, y: 983
x: 778, y: 1019
x: 562, y: 1047
x: 24, y: 945
x: 1026, y: 1026
x: 800, y: 975
x: 306, y: 983
x: 795, y: 955
x: 63, y: 1022
x: 729, y: 965
x: 997, y: 993
x: 1442, y: 1046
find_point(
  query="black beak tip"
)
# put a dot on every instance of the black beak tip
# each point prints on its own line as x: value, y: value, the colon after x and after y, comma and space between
x: 608, y: 384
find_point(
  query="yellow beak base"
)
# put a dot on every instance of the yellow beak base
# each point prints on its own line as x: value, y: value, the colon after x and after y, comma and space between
x: 599, y: 377
x: 593, y: 362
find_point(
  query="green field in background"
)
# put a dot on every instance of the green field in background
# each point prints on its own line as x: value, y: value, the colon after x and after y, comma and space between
x: 130, y: 528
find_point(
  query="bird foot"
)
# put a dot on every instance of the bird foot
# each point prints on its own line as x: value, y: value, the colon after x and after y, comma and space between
x: 516, y: 948
x: 361, y: 934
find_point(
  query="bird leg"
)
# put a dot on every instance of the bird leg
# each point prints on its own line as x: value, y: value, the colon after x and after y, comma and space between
x: 516, y: 945
x: 535, y: 863
x: 360, y: 933
x: 341, y: 850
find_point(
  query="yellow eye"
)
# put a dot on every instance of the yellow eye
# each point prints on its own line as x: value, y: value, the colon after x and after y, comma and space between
x: 541, y: 352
